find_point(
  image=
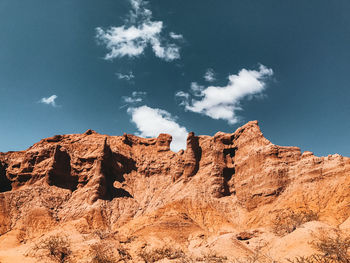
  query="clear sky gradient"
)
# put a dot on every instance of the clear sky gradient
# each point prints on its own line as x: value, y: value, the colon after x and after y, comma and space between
x: 120, y: 66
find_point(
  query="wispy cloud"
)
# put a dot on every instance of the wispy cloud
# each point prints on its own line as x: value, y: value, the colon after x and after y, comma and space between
x: 127, y: 77
x: 209, y: 75
x: 196, y: 89
x: 175, y: 36
x: 150, y: 122
x: 223, y: 102
x: 49, y: 100
x: 183, y: 97
x: 136, y: 96
x: 136, y: 35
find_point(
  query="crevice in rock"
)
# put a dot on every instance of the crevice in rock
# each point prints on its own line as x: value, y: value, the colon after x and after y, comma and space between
x: 24, y: 177
x: 228, y: 174
x: 60, y: 172
x: 228, y: 140
x: 109, y: 168
x: 276, y: 192
x: 230, y: 151
x: 127, y: 140
x: 121, y: 165
x: 228, y: 171
x: 16, y: 165
x: 5, y: 183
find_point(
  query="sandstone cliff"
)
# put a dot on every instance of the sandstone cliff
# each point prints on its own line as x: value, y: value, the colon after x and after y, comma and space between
x: 222, y: 195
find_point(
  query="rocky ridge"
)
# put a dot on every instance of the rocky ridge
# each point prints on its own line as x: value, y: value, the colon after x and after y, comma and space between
x: 221, y: 195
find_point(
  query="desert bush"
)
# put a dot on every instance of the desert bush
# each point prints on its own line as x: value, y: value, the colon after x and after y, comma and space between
x: 315, y: 258
x: 104, y: 253
x: 287, y: 221
x: 331, y: 248
x: 249, y: 259
x: 124, y: 255
x: 127, y: 239
x: 211, y: 257
x: 336, y: 246
x: 56, y: 247
x: 256, y: 257
x: 21, y: 236
x: 102, y: 234
x: 161, y: 253
x: 178, y: 256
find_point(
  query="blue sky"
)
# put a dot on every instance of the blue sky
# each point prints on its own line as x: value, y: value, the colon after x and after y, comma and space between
x: 142, y: 67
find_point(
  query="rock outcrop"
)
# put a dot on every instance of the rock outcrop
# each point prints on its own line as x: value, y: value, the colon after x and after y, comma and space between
x: 220, y: 192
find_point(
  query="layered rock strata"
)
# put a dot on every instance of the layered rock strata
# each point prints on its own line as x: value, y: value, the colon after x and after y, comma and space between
x: 138, y: 186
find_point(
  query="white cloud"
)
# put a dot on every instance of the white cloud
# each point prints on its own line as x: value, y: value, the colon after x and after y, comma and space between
x: 175, y: 36
x: 152, y: 121
x: 136, y: 96
x: 196, y: 89
x: 132, y: 39
x: 49, y: 100
x: 223, y: 102
x: 183, y: 96
x: 128, y: 76
x: 139, y: 12
x: 168, y: 52
x: 209, y: 75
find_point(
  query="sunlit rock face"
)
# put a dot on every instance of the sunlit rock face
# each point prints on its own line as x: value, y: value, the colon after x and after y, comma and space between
x: 215, y: 189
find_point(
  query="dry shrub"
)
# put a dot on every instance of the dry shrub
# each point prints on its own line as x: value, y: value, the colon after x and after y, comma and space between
x: 257, y: 256
x: 104, y: 253
x: 56, y: 247
x: 249, y: 259
x: 127, y: 239
x: 336, y: 246
x: 211, y: 257
x: 101, y: 253
x: 102, y: 234
x: 21, y: 236
x: 178, y: 256
x: 161, y: 253
x: 315, y: 258
x: 124, y: 255
x: 332, y: 248
x: 287, y: 221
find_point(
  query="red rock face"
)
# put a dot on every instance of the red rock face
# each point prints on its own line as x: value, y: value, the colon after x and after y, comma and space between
x: 127, y: 177
x: 243, y: 163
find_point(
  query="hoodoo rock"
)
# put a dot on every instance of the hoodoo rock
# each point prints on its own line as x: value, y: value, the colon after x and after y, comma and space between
x: 223, y: 195
x: 163, y: 142
x: 192, y: 156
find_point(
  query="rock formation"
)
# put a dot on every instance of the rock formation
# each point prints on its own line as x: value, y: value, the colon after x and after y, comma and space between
x: 221, y: 195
